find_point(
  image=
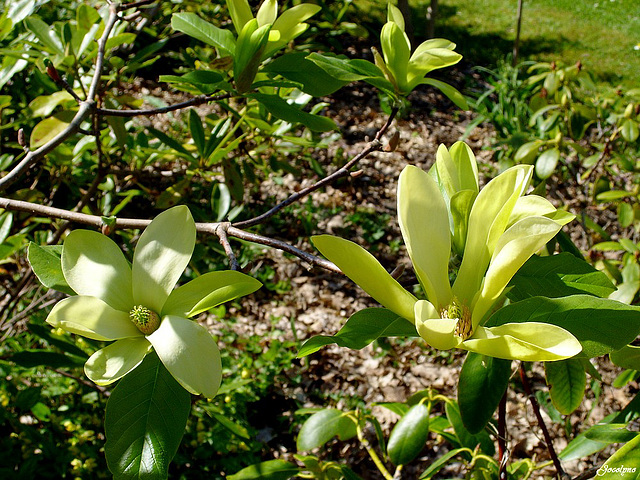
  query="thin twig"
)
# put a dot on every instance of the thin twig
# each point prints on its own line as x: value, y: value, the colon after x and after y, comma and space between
x: 140, y: 3
x: 221, y: 231
x: 373, y: 146
x: 199, y: 100
x: 503, y: 454
x: 543, y: 427
x: 82, y: 381
x: 592, y: 472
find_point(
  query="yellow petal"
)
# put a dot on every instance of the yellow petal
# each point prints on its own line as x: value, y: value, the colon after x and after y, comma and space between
x: 514, y: 247
x: 116, y: 360
x: 424, y: 222
x: 529, y: 342
x: 92, y: 318
x: 437, y: 332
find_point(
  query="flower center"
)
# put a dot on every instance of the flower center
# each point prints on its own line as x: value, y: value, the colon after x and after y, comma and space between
x: 146, y: 320
x: 460, y: 312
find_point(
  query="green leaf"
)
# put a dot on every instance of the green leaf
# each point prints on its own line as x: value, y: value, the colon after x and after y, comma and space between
x: 280, y: 108
x: 47, y: 265
x: 629, y: 130
x: 558, y: 276
x: 450, y: 92
x: 6, y: 222
x: 341, y: 68
x: 206, y: 32
x: 361, y: 329
x: 296, y: 67
x: 627, y: 357
x: 409, y: 436
x: 56, y: 340
x: 230, y: 425
x: 483, y: 381
x: 601, y: 325
x: 43, y: 105
x: 48, y: 128
x: 528, y: 152
x: 36, y: 358
x: 322, y: 426
x: 466, y: 438
x: 610, y: 433
x: 611, y: 195
x: 567, y: 381
x: 197, y: 131
x: 252, y: 41
x: 625, y: 214
x: 269, y: 470
x: 45, y: 33
x: 441, y: 462
x: 207, y: 81
x: 145, y: 419
x: 170, y: 142
x: 624, y: 463
x: 547, y: 162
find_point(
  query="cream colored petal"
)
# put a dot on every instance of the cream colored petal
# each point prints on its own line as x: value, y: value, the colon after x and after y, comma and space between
x: 487, y: 222
x: 161, y: 255
x: 437, y: 332
x: 92, y: 318
x: 116, y: 360
x: 362, y: 267
x: 424, y: 222
x: 529, y: 342
x: 530, y: 206
x: 190, y: 354
x: 94, y: 265
x: 515, y: 247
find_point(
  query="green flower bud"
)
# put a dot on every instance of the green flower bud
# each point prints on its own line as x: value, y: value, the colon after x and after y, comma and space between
x: 146, y: 320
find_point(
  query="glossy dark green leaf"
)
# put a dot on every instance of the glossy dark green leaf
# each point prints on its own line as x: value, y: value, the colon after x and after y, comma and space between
x: 627, y: 357
x: 269, y: 470
x: 601, y: 325
x: 567, y: 381
x: 197, y: 131
x: 280, y: 108
x: 229, y: 424
x: 46, y: 264
x: 322, y: 426
x: 483, y: 381
x: 36, y: 358
x: 559, y: 275
x: 436, y: 466
x: 361, y: 329
x: 145, y: 419
x: 295, y: 66
x: 464, y: 436
x: 409, y: 435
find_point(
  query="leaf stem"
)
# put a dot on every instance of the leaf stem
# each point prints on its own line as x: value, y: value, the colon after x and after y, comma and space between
x: 372, y: 453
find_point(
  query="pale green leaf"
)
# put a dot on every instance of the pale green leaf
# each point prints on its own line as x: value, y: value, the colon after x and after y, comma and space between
x: 323, y: 426
x: 206, y: 32
x: 50, y: 127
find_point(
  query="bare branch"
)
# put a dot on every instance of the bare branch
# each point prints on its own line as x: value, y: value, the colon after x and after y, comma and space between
x: 221, y: 231
x: 373, y: 146
x: 127, y: 223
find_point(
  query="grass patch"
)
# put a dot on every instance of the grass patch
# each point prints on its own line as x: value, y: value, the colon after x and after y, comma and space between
x: 601, y: 34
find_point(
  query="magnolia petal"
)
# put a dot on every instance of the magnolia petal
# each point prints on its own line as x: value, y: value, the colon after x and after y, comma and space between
x: 466, y: 166
x: 530, y: 206
x: 240, y: 13
x: 267, y: 12
x: 424, y: 222
x: 395, y: 15
x: 293, y: 16
x: 438, y: 332
x: 361, y: 267
x: 190, y: 354
x: 487, y: 222
x: 92, y: 318
x: 515, y: 247
x: 94, y: 265
x: 208, y: 291
x: 114, y: 361
x: 396, y: 49
x: 433, y: 43
x: 161, y: 255
x: 529, y: 342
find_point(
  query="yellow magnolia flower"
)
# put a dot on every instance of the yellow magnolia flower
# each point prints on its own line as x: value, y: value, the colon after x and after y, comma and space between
x: 402, y: 68
x: 503, y: 230
x: 137, y: 306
